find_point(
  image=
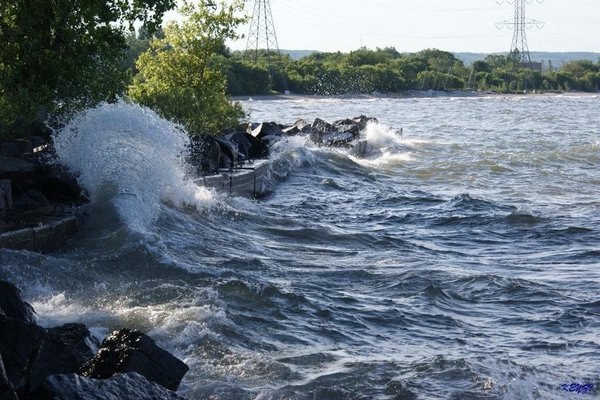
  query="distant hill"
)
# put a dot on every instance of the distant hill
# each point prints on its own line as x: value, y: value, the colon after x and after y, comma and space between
x: 557, y: 59
x: 297, y: 54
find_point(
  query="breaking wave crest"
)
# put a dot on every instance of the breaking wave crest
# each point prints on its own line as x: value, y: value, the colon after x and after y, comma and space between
x: 129, y: 155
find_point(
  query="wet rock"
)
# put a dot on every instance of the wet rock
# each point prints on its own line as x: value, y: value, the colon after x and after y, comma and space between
x: 348, y: 126
x: 12, y: 304
x: 205, y: 153
x: 267, y: 129
x: 338, y: 139
x: 7, y: 392
x: 299, y: 127
x: 32, y: 353
x: 241, y: 143
x: 132, y: 351
x: 258, y: 148
x: 363, y: 121
x: 130, y: 386
x: 64, y: 350
x: 322, y: 126
x: 229, y: 154
x: 20, y: 343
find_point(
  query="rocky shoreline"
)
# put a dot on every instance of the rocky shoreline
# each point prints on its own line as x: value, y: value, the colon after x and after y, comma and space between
x: 40, y: 200
x: 67, y: 362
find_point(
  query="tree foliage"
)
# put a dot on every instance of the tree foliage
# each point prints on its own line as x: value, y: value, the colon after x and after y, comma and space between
x: 63, y: 54
x: 180, y: 75
x: 388, y: 71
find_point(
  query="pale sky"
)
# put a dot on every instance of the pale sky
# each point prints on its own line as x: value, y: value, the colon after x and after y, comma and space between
x: 413, y: 25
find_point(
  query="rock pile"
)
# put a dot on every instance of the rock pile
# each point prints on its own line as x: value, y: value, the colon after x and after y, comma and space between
x: 39, y: 363
x: 252, y: 141
x: 34, y: 181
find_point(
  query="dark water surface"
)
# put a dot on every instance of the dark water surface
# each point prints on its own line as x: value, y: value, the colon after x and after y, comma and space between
x: 458, y: 261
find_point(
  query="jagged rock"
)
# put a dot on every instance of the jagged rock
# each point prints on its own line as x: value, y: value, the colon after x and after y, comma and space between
x: 347, y: 126
x: 229, y: 154
x: 299, y: 127
x: 322, y: 126
x: 338, y: 139
x: 130, y: 386
x: 64, y: 350
x: 31, y: 353
x: 132, y: 351
x: 205, y: 153
x: 267, y: 129
x: 7, y: 392
x: 19, y: 344
x: 363, y: 121
x: 239, y: 140
x: 12, y: 304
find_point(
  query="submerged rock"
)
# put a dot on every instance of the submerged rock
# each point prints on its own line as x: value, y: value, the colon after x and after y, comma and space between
x: 132, y: 351
x: 130, y: 386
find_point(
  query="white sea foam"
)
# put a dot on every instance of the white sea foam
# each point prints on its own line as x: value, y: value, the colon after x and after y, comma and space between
x: 133, y: 156
x: 386, y: 147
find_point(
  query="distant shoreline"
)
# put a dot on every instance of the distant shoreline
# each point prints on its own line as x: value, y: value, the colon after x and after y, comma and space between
x: 410, y: 95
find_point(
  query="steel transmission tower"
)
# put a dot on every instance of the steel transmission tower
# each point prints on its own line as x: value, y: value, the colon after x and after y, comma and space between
x: 262, y: 31
x: 520, y: 25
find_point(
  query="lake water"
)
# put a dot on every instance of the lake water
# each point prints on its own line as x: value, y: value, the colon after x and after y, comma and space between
x: 459, y: 260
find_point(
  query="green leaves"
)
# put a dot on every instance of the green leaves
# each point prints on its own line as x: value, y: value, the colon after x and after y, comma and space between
x: 176, y: 76
x: 61, y: 55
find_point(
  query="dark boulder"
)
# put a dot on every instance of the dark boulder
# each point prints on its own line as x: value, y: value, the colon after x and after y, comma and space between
x: 229, y: 154
x: 7, y: 392
x: 130, y: 386
x: 363, y: 121
x: 267, y: 129
x: 20, y: 343
x: 63, y: 351
x: 31, y: 353
x: 132, y: 351
x: 258, y: 148
x: 338, y: 139
x: 30, y: 200
x: 241, y: 143
x: 205, y: 154
x: 322, y: 126
x: 347, y: 126
x: 12, y: 304
x: 299, y: 127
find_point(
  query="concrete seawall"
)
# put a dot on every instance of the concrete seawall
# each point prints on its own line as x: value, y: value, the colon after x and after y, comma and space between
x: 48, y: 235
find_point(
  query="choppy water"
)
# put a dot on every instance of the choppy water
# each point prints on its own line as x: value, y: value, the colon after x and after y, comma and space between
x: 460, y: 260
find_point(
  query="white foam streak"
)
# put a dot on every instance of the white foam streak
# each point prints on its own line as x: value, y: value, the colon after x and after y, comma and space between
x: 132, y: 156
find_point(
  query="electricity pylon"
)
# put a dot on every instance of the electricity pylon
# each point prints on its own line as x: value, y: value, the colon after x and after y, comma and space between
x: 520, y: 25
x: 262, y: 31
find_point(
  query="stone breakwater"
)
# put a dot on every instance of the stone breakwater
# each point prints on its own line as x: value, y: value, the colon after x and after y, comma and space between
x: 67, y: 362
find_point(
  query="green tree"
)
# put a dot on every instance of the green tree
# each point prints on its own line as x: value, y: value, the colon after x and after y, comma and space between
x: 59, y: 55
x: 176, y: 76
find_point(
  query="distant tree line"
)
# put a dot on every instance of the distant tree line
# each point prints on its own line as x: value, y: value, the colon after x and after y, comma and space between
x: 59, y: 56
x: 388, y: 71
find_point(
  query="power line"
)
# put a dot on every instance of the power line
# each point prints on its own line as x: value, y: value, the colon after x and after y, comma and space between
x: 262, y: 33
x: 520, y: 25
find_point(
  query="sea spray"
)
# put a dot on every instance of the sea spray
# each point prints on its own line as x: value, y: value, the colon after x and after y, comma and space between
x: 131, y: 156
